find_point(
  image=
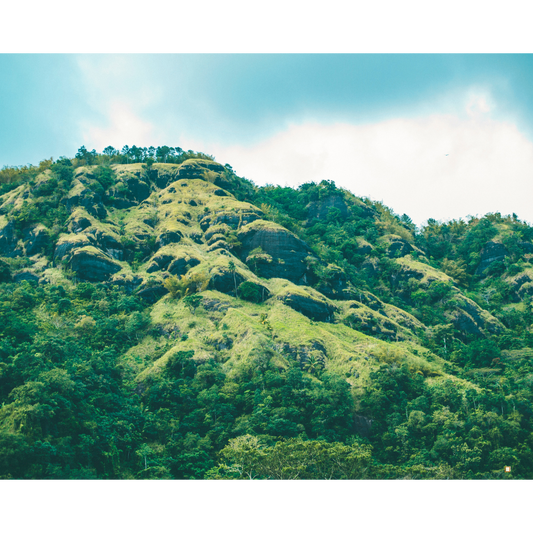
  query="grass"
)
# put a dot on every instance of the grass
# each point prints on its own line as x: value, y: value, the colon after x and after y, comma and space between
x: 430, y: 274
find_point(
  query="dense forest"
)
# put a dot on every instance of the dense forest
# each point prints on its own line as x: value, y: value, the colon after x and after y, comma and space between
x: 163, y: 318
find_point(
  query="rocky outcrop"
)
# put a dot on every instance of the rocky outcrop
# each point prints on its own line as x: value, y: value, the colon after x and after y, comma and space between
x: 198, y: 168
x: 8, y: 241
x: 225, y: 281
x: 36, y: 240
x: 312, y: 354
x: 137, y: 190
x: 151, y: 292
x: 320, y: 209
x: 466, y: 324
x: 160, y: 262
x: 26, y: 275
x: 492, y: 251
x: 522, y: 284
x: 336, y: 285
x: 471, y: 319
x: 233, y: 219
x: 92, y: 264
x: 287, y: 252
x: 308, y: 306
x: 399, y: 247
x: 182, y: 264
x: 169, y: 237
x: 82, y: 196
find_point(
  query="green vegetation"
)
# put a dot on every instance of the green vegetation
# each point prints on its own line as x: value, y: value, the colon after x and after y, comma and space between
x: 163, y: 318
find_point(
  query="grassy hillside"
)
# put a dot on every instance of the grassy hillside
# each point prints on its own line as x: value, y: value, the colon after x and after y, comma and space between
x: 163, y: 318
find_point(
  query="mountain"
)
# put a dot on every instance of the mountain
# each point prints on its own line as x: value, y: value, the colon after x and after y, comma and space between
x: 166, y: 319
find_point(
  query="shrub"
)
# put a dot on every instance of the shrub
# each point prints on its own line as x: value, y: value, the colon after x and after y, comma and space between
x: 250, y: 291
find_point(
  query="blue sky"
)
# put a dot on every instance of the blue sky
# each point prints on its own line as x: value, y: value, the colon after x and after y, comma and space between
x: 379, y: 125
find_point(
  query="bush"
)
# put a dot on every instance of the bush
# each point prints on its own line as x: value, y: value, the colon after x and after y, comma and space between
x: 250, y: 291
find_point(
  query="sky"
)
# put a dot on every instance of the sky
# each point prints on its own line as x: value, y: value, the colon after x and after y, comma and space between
x: 438, y: 136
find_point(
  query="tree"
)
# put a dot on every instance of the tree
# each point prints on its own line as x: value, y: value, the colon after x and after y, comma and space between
x: 244, y: 454
x: 162, y: 153
x: 232, y: 268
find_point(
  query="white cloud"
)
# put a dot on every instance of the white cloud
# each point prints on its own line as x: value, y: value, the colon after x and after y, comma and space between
x: 120, y: 91
x: 124, y: 127
x: 403, y: 162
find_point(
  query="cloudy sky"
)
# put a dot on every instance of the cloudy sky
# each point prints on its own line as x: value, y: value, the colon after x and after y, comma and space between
x: 431, y: 135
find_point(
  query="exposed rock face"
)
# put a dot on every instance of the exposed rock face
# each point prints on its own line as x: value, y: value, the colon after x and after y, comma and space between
x: 79, y: 224
x: 36, y: 239
x: 169, y: 237
x: 336, y: 286
x: 26, y: 276
x: 288, y: 252
x: 137, y: 190
x: 8, y: 241
x: 319, y: 210
x: 106, y: 242
x: 363, y: 425
x: 492, y: 251
x: 374, y: 325
x: 179, y: 266
x: 162, y: 176
x: 160, y: 262
x: 465, y: 323
x: 315, y: 353
x: 522, y: 284
x: 128, y: 283
x: 311, y: 308
x: 469, y: 318
x: 84, y: 197
x: 229, y: 218
x: 399, y: 248
x: 197, y: 168
x: 92, y: 265
x: 225, y: 281
x: 152, y: 293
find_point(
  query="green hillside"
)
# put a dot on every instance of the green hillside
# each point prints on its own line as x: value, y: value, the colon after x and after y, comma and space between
x: 163, y: 318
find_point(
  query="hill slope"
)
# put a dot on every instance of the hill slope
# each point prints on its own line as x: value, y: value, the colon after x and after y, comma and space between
x: 172, y: 320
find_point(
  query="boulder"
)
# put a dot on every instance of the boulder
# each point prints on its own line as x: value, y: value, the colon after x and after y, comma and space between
x: 92, y: 264
x: 181, y: 265
x: 68, y: 243
x: 160, y: 262
x: 37, y: 239
x: 225, y: 281
x: 137, y: 190
x: 288, y: 253
x: 79, y: 224
x: 308, y: 306
x: 169, y: 237
x: 151, y: 292
x: 128, y: 283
